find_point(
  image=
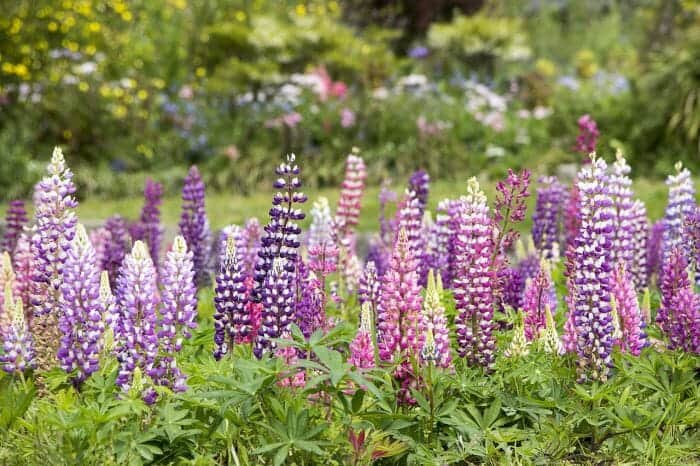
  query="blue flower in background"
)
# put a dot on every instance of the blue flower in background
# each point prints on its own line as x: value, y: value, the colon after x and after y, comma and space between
x: 419, y: 52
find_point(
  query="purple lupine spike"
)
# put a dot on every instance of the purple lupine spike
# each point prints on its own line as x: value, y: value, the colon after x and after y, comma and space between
x: 435, y: 323
x: 15, y: 221
x: 620, y: 191
x: 514, y: 287
x: 398, y: 313
x: 194, y: 224
x: 571, y: 215
x: 474, y: 278
x: 640, y: 236
x: 440, y: 258
x: 674, y: 277
x: 231, y: 321
x: 281, y: 238
x: 310, y: 301
x: 350, y: 201
x: 681, y: 203
x: 386, y: 227
x: 100, y: 238
x: 323, y: 258
x: 18, y: 349
x: 250, y: 248
x: 117, y: 247
x: 362, y: 348
x: 178, y: 314
x: 368, y: 291
x: 685, y: 327
x: 379, y: 254
x: 538, y: 296
x: 136, y: 340
x: 590, y: 274
x: 588, y: 134
x: 547, y: 217
x: 410, y: 218
x: 654, y: 249
x: 81, y: 320
x: 22, y: 261
x: 419, y: 183
x: 54, y: 228
x: 278, y: 306
x: 321, y: 227
x: 630, y: 316
x: 691, y: 227
x: 149, y: 228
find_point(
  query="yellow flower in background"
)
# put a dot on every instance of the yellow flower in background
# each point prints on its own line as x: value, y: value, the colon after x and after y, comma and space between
x: 200, y: 72
x: 105, y: 91
x: 145, y: 150
x: 67, y: 134
x: 545, y: 67
x: 142, y: 94
x: 21, y: 70
x: 90, y: 49
x: 8, y: 68
x: 158, y: 83
x: 83, y: 86
x: 119, y: 111
x: 586, y: 65
x: 240, y: 15
x: 94, y: 27
x: 127, y: 16
x: 300, y: 10
x: 52, y: 26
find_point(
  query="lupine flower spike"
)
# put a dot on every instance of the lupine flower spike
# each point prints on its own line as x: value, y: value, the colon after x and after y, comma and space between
x: 587, y: 138
x: 278, y: 302
x: 7, y: 276
x: 631, y: 323
x: 620, y: 191
x: 549, y: 338
x: 18, y: 353
x: 149, y: 228
x: 194, y: 224
x: 22, y: 261
x: 116, y: 248
x: 15, y: 221
x: 681, y: 204
x: 435, y: 322
x: 231, y: 321
x: 547, y: 217
x: 362, y: 350
x: 519, y: 345
x: 539, y: 294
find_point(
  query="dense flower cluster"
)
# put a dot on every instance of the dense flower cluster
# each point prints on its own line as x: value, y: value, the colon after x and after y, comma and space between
x: 15, y: 221
x: 278, y: 302
x: 435, y: 323
x: 419, y: 183
x: 539, y: 294
x: 349, y: 204
x: 631, y: 324
x: 194, y: 224
x: 18, y: 349
x: 116, y: 248
x: 148, y: 228
x: 588, y: 134
x: 362, y: 350
x: 231, y: 321
x: 620, y: 191
x: 547, y: 217
x: 410, y: 219
x: 681, y: 204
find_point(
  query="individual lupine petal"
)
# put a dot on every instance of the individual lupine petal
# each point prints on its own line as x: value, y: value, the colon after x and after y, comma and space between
x: 22, y: 261
x: 674, y: 278
x: 685, y: 327
x: 278, y: 311
x: 587, y: 138
x: 18, y: 351
x: 281, y: 233
x: 54, y: 228
x: 398, y: 314
x: 655, y: 249
x: 620, y: 191
x: 321, y: 227
x: 590, y: 274
x: 116, y: 248
x: 362, y: 351
x: 640, y: 236
x: 419, y: 183
x: 178, y: 314
x: 538, y: 296
x: 631, y: 322
x: 15, y: 221
x: 194, y: 224
x: 519, y: 345
x: 231, y: 321
x: 136, y: 341
x: 434, y: 320
x: 549, y: 338
x: 681, y: 203
x: 474, y: 277
x: 547, y: 217
x: 149, y: 228
x: 350, y: 201
x: 82, y: 313
x: 410, y: 218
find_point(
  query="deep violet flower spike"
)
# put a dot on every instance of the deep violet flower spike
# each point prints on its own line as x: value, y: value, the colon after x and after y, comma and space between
x: 194, y: 224
x: 281, y: 237
x: 473, y: 278
x: 681, y: 204
x: 631, y: 323
x: 18, y: 352
x: 178, y: 314
x: 362, y: 347
x: 640, y: 237
x: 116, y: 248
x: 231, y: 321
x: 278, y: 311
x: 620, y: 191
x: 591, y: 274
x: 547, y: 218
x: 674, y: 278
x: 685, y: 328
x: 149, y: 227
x: 691, y: 228
x: 419, y: 183
x: 54, y: 228
x: 655, y: 249
x: 15, y: 221
x: 82, y: 313
x: 136, y: 340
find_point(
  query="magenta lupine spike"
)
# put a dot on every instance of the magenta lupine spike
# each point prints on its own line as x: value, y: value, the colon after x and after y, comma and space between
x: 281, y: 239
x: 640, y: 236
x: 350, y: 201
x: 691, y: 228
x: 590, y: 274
x: 440, y: 260
x: 419, y: 183
x: 54, y: 228
x: 620, y: 191
x: 149, y: 228
x: 18, y: 350
x: 22, y: 261
x: 631, y: 322
x: 362, y: 347
x: 231, y: 320
x: 82, y: 315
x: 510, y: 207
x: 685, y: 328
x: 681, y: 203
x: 15, y: 221
x: 547, y: 217
x: 410, y: 218
x: 435, y: 324
x: 117, y: 247
x: 278, y: 311
x: 398, y: 313
x: 674, y: 277
x: 538, y: 296
x: 654, y: 249
x: 194, y: 224
x: 136, y: 340
x: 368, y: 291
x: 588, y: 134
x: 178, y: 314
x: 572, y: 215
x: 474, y: 278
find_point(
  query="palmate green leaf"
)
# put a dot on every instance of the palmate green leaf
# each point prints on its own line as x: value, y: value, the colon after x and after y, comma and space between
x: 15, y: 399
x: 281, y: 455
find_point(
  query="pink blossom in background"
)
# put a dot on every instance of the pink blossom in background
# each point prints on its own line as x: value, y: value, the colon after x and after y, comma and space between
x: 347, y: 118
x: 289, y: 120
x: 428, y: 129
x: 587, y: 135
x: 327, y: 87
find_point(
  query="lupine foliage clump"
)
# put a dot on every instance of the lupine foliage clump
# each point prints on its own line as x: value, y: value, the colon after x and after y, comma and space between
x: 110, y: 359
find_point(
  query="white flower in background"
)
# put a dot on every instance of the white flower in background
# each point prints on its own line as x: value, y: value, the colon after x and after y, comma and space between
x: 541, y: 112
x: 380, y: 93
x: 495, y: 151
x: 88, y: 67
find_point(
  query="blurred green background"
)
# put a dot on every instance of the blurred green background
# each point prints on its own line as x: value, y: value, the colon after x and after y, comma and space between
x: 141, y: 88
